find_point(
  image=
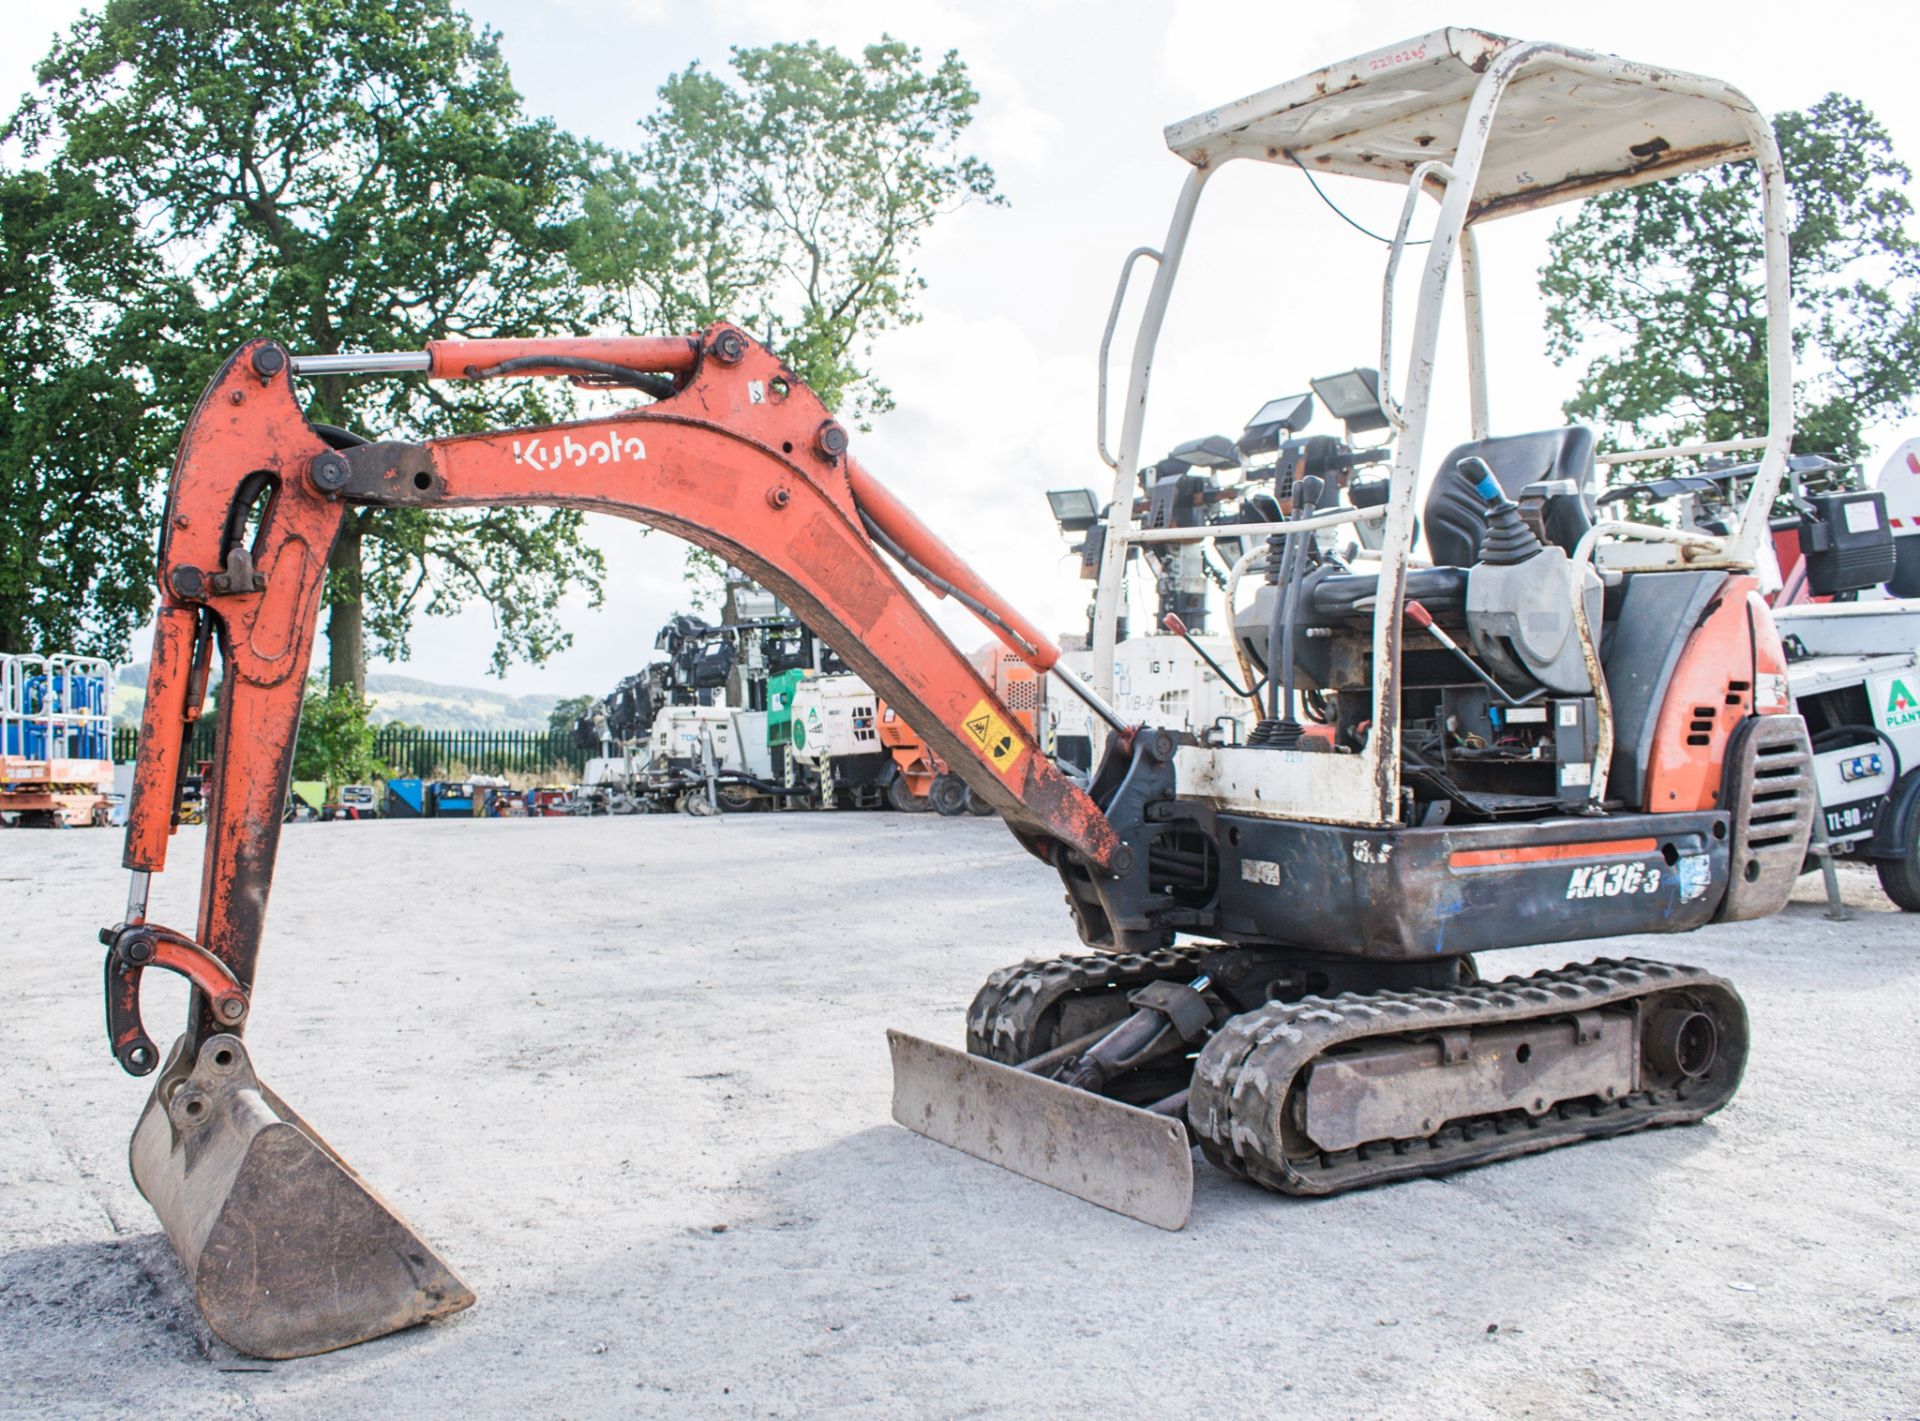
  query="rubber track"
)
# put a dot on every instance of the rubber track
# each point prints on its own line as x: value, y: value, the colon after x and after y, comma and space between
x: 1245, y: 1074
x: 1006, y: 1015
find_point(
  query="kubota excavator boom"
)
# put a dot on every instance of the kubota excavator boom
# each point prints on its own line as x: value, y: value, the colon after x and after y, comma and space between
x: 735, y: 454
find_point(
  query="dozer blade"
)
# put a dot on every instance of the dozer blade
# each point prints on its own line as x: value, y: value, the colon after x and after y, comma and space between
x: 289, y: 1251
x: 1118, y: 1156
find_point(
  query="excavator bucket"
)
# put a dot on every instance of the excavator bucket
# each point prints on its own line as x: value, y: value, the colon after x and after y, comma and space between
x: 289, y: 1251
x: 1118, y: 1156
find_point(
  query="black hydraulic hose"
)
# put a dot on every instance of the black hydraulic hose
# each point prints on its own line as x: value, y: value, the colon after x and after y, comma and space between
x: 1306, y: 496
x: 735, y: 777
x: 659, y: 386
x: 939, y: 583
x: 339, y: 438
x: 693, y: 779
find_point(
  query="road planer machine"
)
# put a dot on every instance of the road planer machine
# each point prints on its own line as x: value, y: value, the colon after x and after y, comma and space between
x: 1558, y: 726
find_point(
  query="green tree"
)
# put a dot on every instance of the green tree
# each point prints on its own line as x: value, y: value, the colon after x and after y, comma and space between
x: 1667, y: 282
x: 564, y: 713
x: 791, y: 200
x: 90, y: 327
x: 349, y: 175
x: 336, y: 741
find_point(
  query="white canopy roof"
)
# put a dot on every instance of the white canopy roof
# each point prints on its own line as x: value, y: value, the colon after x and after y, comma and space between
x: 1560, y: 131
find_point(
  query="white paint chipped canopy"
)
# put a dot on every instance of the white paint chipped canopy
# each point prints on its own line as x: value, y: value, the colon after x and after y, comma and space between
x: 1570, y: 124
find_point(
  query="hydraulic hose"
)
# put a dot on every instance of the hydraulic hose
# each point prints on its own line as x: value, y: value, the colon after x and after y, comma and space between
x: 659, y: 386
x: 1280, y: 639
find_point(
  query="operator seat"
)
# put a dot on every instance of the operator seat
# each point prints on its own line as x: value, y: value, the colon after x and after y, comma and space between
x: 1457, y: 516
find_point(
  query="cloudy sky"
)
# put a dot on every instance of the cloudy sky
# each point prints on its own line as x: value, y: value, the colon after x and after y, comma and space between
x: 996, y: 385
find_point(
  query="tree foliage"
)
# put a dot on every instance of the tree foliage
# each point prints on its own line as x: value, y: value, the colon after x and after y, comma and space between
x: 350, y: 175
x: 89, y: 324
x: 337, y: 737
x: 793, y: 201
x: 1667, y: 281
x: 565, y: 712
x: 347, y: 175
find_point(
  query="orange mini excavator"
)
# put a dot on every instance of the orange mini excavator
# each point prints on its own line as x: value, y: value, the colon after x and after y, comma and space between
x: 1552, y: 726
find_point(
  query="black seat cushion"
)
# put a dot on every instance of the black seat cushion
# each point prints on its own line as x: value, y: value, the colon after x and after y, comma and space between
x: 1441, y: 590
x: 1456, y: 515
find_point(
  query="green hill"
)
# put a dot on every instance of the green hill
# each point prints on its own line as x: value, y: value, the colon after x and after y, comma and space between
x: 396, y: 697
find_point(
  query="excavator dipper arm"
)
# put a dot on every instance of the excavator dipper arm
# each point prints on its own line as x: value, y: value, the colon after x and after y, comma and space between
x: 738, y: 456
x: 288, y: 1250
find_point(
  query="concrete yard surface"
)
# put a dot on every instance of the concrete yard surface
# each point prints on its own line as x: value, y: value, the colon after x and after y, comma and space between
x: 630, y: 1077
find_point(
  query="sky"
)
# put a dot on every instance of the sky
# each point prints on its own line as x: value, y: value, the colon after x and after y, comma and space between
x: 996, y: 385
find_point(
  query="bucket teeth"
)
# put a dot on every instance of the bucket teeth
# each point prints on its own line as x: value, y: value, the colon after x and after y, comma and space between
x: 289, y: 1251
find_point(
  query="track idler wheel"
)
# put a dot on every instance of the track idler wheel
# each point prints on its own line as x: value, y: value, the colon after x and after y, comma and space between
x: 1681, y: 1042
x: 289, y: 1251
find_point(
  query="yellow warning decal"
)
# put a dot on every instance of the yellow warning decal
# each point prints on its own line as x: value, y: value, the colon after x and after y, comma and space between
x: 996, y: 739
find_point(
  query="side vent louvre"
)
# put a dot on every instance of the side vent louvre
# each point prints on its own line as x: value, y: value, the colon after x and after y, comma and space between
x: 1770, y: 796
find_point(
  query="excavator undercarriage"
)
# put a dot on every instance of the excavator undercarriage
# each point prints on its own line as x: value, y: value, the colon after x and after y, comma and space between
x: 1532, y: 738
x: 1288, y: 1080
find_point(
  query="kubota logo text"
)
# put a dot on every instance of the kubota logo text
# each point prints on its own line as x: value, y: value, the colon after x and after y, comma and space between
x: 610, y: 449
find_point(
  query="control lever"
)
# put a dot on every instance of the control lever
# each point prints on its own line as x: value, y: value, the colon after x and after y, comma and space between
x: 1508, y: 540
x: 1173, y: 624
x: 1423, y: 619
x: 1281, y: 730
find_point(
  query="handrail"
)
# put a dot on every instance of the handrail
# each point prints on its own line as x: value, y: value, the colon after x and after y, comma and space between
x: 1255, y: 530
x: 65, y: 730
x: 1646, y: 532
x: 1680, y: 451
x: 1106, y: 345
x: 1416, y: 185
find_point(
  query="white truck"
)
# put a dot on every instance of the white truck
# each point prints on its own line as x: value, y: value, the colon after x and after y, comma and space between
x: 1854, y: 672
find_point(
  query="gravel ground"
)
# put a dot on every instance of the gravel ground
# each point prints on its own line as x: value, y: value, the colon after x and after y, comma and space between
x: 630, y: 1077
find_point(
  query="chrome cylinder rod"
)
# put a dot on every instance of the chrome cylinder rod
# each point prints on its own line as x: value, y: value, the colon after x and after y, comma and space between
x: 1092, y: 698
x: 137, y: 897
x: 395, y: 363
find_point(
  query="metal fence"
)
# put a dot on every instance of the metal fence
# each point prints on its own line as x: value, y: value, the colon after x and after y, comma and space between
x: 430, y: 754
x: 435, y: 754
